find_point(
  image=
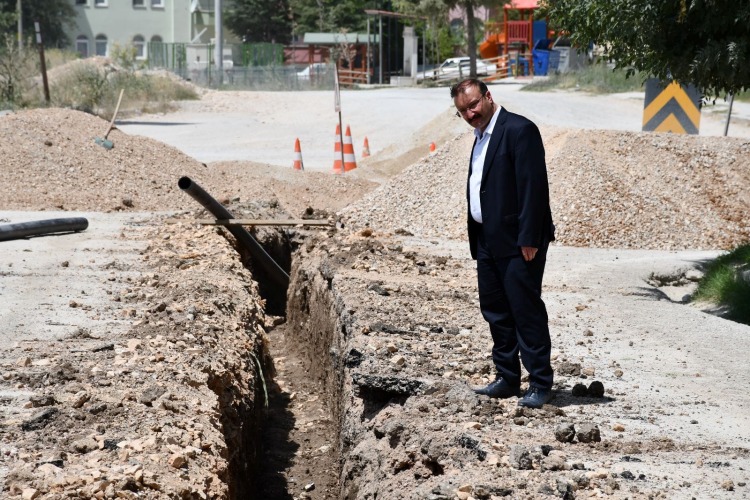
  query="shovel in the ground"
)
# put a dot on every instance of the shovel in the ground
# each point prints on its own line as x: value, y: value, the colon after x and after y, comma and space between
x: 103, y: 141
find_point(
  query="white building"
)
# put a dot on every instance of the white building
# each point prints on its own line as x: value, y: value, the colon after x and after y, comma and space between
x: 100, y: 24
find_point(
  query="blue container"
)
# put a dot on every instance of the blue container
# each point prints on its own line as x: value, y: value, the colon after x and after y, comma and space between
x: 541, y: 61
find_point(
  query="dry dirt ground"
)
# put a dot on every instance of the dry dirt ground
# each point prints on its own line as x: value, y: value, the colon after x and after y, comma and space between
x: 142, y: 358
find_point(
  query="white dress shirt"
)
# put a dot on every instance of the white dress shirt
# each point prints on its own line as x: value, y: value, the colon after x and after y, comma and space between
x: 477, y: 166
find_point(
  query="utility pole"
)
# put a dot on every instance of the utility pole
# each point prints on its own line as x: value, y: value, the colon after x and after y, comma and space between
x: 219, y: 44
x: 20, y: 24
x: 43, y: 63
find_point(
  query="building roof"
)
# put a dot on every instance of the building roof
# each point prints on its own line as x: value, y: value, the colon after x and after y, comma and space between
x: 522, y: 4
x: 337, y: 38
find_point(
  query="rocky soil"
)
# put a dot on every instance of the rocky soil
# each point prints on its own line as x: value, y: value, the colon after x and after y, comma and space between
x: 608, y: 189
x: 382, y: 315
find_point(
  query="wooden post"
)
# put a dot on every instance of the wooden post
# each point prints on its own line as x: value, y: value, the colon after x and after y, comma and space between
x: 43, y: 63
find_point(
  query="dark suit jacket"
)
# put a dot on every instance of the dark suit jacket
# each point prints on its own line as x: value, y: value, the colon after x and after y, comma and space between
x: 514, y: 192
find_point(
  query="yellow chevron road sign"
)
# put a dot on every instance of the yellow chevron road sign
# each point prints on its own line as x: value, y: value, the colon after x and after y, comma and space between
x: 672, y: 108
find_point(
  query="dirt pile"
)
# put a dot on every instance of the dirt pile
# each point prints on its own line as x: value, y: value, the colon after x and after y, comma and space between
x: 608, y: 189
x: 50, y: 161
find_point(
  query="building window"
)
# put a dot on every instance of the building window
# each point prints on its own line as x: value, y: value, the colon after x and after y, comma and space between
x: 100, y: 3
x: 156, y: 39
x: 101, y: 45
x: 140, y: 47
x: 82, y: 45
x: 82, y: 2
x: 139, y: 3
x: 157, y: 4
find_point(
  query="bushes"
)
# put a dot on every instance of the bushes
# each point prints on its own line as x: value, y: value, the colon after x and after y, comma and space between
x: 727, y: 284
x: 91, y: 85
x: 596, y: 78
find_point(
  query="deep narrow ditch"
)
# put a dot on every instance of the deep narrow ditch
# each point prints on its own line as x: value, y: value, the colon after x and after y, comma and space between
x: 296, y: 445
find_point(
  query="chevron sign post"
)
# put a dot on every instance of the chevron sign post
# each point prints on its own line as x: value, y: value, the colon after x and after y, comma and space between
x: 673, y: 108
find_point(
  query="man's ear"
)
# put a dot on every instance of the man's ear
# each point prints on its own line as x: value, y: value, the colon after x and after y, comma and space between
x: 488, y: 96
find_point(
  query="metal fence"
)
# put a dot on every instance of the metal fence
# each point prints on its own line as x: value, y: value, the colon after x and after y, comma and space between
x: 259, y: 78
x: 256, y: 66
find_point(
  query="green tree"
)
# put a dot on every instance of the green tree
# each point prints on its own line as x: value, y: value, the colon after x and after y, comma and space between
x: 331, y: 16
x: 53, y: 17
x: 259, y: 20
x: 703, y: 42
x: 436, y: 11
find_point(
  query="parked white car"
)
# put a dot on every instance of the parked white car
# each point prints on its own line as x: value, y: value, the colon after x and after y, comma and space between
x: 314, y: 69
x: 457, y: 66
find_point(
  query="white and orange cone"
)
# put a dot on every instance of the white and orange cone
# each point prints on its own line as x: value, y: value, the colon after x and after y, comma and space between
x: 366, y: 148
x: 350, y: 162
x: 297, y: 164
x: 338, y: 167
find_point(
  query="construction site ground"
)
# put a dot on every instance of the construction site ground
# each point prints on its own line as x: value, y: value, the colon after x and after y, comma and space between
x: 146, y: 358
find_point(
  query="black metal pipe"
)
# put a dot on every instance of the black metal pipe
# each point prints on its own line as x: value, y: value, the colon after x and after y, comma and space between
x: 38, y: 227
x: 244, y: 239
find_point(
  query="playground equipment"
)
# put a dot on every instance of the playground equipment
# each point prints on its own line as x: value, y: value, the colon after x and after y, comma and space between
x: 514, y: 38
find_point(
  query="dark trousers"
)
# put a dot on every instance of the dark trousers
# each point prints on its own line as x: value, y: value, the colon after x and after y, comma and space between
x: 510, y: 298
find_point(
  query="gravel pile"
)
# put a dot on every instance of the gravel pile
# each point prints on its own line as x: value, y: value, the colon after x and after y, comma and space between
x: 609, y: 189
x: 50, y: 162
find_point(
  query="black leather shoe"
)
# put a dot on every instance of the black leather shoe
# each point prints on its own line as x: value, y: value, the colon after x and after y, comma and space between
x: 535, y: 397
x: 499, y: 389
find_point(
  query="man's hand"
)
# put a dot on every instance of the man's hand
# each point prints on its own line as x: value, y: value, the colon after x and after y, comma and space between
x: 528, y: 253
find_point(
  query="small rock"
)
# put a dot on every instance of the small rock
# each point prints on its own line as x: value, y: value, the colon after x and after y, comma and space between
x: 79, y: 399
x: 618, y: 428
x: 177, y: 460
x: 553, y: 462
x: 24, y: 361
x: 588, y: 433
x: 30, y: 494
x: 85, y: 445
x: 309, y: 487
x: 519, y: 457
x: 565, y: 432
x: 596, y: 389
x: 727, y: 485
x: 579, y: 390
x: 618, y: 373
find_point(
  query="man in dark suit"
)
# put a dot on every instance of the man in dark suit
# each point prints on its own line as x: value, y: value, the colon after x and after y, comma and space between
x: 510, y: 228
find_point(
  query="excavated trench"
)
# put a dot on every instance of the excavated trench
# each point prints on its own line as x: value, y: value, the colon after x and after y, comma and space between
x: 289, y: 447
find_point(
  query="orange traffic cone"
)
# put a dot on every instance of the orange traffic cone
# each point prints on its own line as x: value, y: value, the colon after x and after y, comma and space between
x: 297, y: 164
x: 338, y: 167
x: 350, y: 162
x: 366, y: 149
x: 432, y: 147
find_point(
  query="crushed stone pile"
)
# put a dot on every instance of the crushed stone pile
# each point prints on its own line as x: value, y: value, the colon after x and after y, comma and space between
x: 608, y: 189
x: 50, y: 162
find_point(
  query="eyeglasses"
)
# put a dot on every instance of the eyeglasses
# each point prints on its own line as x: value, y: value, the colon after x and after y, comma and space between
x: 473, y: 105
